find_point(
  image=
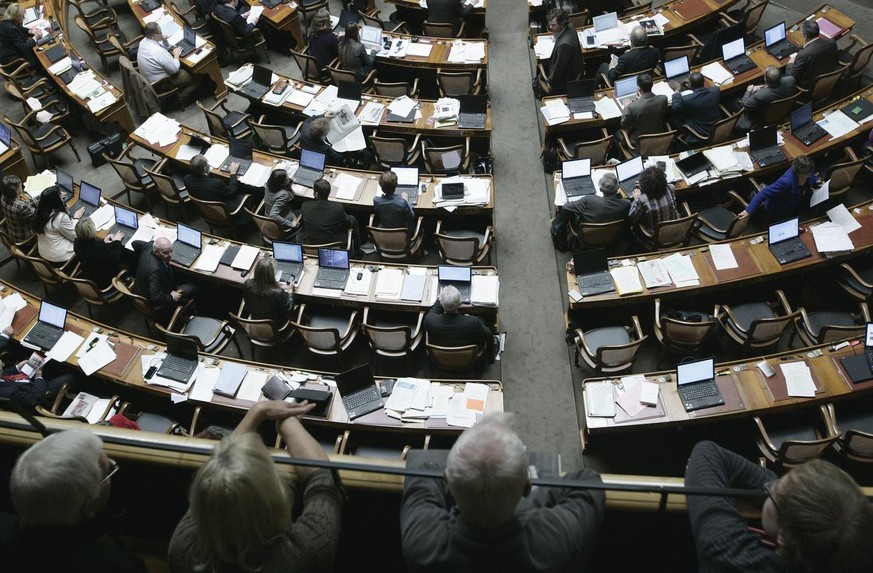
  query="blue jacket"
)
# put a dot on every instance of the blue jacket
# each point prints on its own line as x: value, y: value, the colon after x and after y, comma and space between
x: 783, y: 198
x: 394, y: 212
x: 699, y: 109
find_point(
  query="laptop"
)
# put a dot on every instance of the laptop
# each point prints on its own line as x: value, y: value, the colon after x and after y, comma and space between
x: 776, y: 44
x: 677, y: 70
x: 188, y: 43
x: 696, y: 383
x: 693, y: 164
x: 56, y: 53
x: 459, y: 277
x: 262, y: 81
x: 126, y: 223
x: 49, y: 326
x: 576, y: 178
x: 289, y: 260
x: 149, y: 6
x: 606, y: 30
x: 473, y: 111
x: 784, y: 242
x: 181, y: 360
x: 333, y: 269
x: 240, y: 152
x: 735, y: 58
x: 187, y: 247
x: 629, y: 172
x: 310, y: 169
x: 271, y: 3
x: 580, y: 96
x: 763, y: 146
x: 802, y: 126
x: 89, y: 198
x: 351, y: 92
x: 452, y: 191
x: 407, y: 182
x: 64, y: 181
x: 6, y: 139
x: 358, y: 390
x: 626, y: 91
x: 371, y: 38
x: 592, y: 272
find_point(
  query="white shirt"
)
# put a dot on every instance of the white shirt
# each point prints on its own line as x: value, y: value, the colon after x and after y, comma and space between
x: 155, y: 62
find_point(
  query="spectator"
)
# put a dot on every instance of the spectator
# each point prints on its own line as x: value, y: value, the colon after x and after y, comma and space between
x: 353, y: 56
x: 393, y: 211
x: 264, y: 297
x: 55, y: 229
x: 19, y: 208
x: 565, y: 63
x: 789, y: 195
x: 647, y: 114
x: 654, y: 200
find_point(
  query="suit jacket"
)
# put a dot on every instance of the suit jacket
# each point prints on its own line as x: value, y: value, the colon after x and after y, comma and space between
x: 208, y: 188
x: 597, y: 209
x: 154, y: 279
x: 635, y: 60
x: 755, y: 103
x: 566, y: 61
x: 699, y: 109
x: 276, y: 304
x: 236, y: 20
x: 448, y: 12
x: 323, y: 221
x: 16, y: 42
x: 819, y: 56
x: 784, y: 197
x: 100, y: 261
x: 454, y: 329
x: 645, y: 115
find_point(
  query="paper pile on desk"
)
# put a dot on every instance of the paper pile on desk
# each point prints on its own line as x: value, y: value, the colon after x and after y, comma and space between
x: 544, y: 46
x: 411, y: 398
x: 372, y: 113
x: 841, y: 216
x: 419, y: 49
x: 148, y: 359
x: 86, y: 85
x: 8, y: 307
x: 159, y: 129
x: 798, y: 379
x: 606, y: 108
x: 467, y: 52
x: 97, y: 357
x: 477, y: 190
x: 716, y: 73
x: 723, y: 159
x: 832, y: 238
x: 466, y: 407
x: 555, y: 111
x: 347, y: 186
x: 240, y: 77
x: 389, y: 283
x: 838, y: 124
x: 655, y: 273
x: 35, y: 184
x: 101, y: 102
x: 216, y: 154
x: 681, y: 270
x: 484, y: 290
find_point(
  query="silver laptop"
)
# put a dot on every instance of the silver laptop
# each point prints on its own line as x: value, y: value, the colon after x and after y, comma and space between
x: 677, y: 70
x: 311, y: 168
x: 49, y: 326
x: 371, y: 38
x: 696, y: 384
x: 629, y: 172
x: 407, y: 182
x: 626, y: 91
x: 289, y: 260
x: 187, y: 247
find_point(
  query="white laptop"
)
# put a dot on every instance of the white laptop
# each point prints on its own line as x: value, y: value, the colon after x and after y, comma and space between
x: 626, y: 91
x: 371, y: 38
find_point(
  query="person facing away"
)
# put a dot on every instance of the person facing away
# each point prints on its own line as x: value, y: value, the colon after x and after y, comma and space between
x: 323, y: 43
x: 278, y: 201
x: 639, y: 57
x: 593, y: 208
x: 757, y: 98
x: 647, y: 113
x: 263, y: 295
x: 565, y: 63
x: 654, y: 200
x: 486, y: 516
x: 157, y: 63
x: 352, y: 54
x: 445, y: 326
x: 698, y: 110
x: 100, y: 259
x: 393, y: 211
x: 819, y: 55
x: 19, y: 208
x: 789, y: 195
x: 324, y: 221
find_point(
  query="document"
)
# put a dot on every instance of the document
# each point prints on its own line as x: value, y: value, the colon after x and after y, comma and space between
x: 681, y: 270
x: 35, y: 184
x: 359, y: 286
x: 64, y: 347
x: 85, y: 85
x: 820, y: 194
x: 841, y: 216
x: 372, y: 113
x: 543, y: 47
x: 722, y: 256
x: 419, y: 49
x: 103, y: 217
x: 717, y: 73
x: 669, y: 166
x: 838, y: 124
x: 606, y: 108
x: 256, y: 175
x: 458, y: 415
x: 201, y: 390
x: 627, y: 280
x: 209, y: 258
x: 342, y: 124
x: 389, y: 283
x: 82, y: 405
x: 413, y: 287
x: 831, y: 238
x: 300, y: 98
x: 404, y: 390
x: 798, y: 379
x: 629, y: 400
x: 352, y: 142
x: 61, y: 66
x: 254, y: 14
x: 662, y: 88
x: 216, y: 154
x: 655, y: 273
x: 90, y: 340
x: 245, y: 257
x: 103, y: 101
x: 347, y: 186
x: 402, y: 105
x: 277, y: 99
x: 250, y: 389
x: 600, y: 399
x: 484, y: 290
x: 7, y: 315
x: 96, y: 358
x: 723, y: 158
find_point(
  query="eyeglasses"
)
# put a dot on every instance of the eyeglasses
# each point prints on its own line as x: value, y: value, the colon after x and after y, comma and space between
x: 113, y: 469
x: 768, y: 487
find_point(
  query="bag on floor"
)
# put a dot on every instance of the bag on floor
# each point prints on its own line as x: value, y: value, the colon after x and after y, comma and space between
x: 110, y: 145
x: 558, y: 230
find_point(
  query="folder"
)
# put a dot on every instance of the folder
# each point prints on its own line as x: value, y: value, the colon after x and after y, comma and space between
x: 230, y: 379
x: 413, y: 287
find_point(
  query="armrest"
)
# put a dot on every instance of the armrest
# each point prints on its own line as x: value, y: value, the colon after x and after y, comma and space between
x: 783, y: 301
x: 461, y: 30
x: 738, y: 199
x: 417, y: 231
x: 864, y: 312
x: 694, y: 132
x: 48, y: 133
x: 765, y: 437
x: 684, y: 207
x: 830, y: 419
x: 638, y: 330
x: 563, y: 150
x: 658, y: 313
x: 846, y: 267
x: 605, y: 81
x: 241, y: 205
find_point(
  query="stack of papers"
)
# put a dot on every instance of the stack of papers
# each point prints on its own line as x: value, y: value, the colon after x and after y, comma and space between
x: 723, y: 158
x: 389, y: 283
x: 723, y: 256
x: 209, y: 258
x: 841, y: 216
x: 419, y: 49
x: 35, y: 184
x: 798, y: 379
x: 347, y: 186
x: 356, y: 286
x: 278, y: 99
x: 413, y: 284
x: 544, y: 46
x: 240, y: 77
x: 300, y: 98
x: 716, y: 73
x: 831, y: 238
x: 467, y: 52
x: 411, y: 398
x: 446, y: 108
x: 60, y: 66
x: 838, y: 124
x: 555, y: 111
x: 159, y: 129
x: 256, y: 175
x: 8, y: 307
x: 372, y: 113
x: 655, y: 273
x: 85, y: 85
x: 216, y: 154
x: 484, y: 290
x: 627, y: 280
x: 606, y: 108
x: 466, y: 407
x: 681, y: 270
x: 102, y: 101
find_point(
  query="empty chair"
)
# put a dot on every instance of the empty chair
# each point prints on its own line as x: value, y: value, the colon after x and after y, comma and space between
x: 452, y: 84
x: 396, y: 244
x: 171, y: 190
x: 785, y: 441
x: 756, y: 325
x: 597, y: 150
x: 373, y: 18
x: 648, y: 144
x: 823, y: 326
x: 41, y: 139
x: 750, y: 15
x: 842, y: 174
x: 327, y: 334
x: 99, y: 38
x: 672, y: 52
x: 132, y: 172
x: 338, y: 75
x: 218, y: 215
x: 395, y: 151
x: 682, y: 332
x: 48, y: 273
x: 455, y: 358
x: 449, y: 159
x: 277, y: 139
x: 211, y: 335
x: 192, y: 18
x: 96, y: 15
x: 46, y: 101
x: 225, y: 123
x: 821, y: 89
x: 857, y: 279
x: 396, y: 89
x: 579, y: 19
x: 854, y: 432
x: 855, y: 64
x: 609, y: 348
x: 262, y: 332
x: 438, y: 30
x: 92, y: 294
x: 309, y: 68
x: 666, y: 234
x: 393, y: 335
x: 463, y: 247
x: 721, y: 222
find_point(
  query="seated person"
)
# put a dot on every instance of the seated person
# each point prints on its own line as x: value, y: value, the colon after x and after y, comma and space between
x: 55, y: 229
x: 449, y: 12
x: 486, y: 516
x: 231, y: 11
x: 324, y: 221
x: 647, y: 113
x: 240, y: 515
x: 445, y: 326
x: 203, y: 186
x: 16, y: 41
x: 818, y: 56
x: 654, y: 200
x: 639, y: 57
x: 698, y: 110
x: 264, y: 297
x: 352, y: 54
x: 789, y: 195
x: 27, y: 392
x: 323, y: 43
x: 596, y: 209
x: 393, y: 211
x: 277, y: 201
x: 156, y: 280
x: 313, y: 135
x: 156, y: 63
x: 758, y: 97
x: 19, y: 208
x: 565, y: 63
x: 100, y: 259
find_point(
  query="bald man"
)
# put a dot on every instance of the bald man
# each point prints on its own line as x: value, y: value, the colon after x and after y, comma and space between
x: 155, y: 279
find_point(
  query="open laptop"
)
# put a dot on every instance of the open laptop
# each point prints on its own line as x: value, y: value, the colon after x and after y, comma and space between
x: 310, y: 169
x: 358, y: 390
x: 149, y: 6
x: 763, y: 146
x: 350, y: 92
x: 784, y: 241
x: 606, y: 29
x: 126, y: 223
x: 333, y: 269
x: 580, y: 96
x: 693, y: 164
x: 868, y: 345
x: 592, y: 272
x: 696, y: 383
x: 802, y: 126
x: 49, y: 326
x: 371, y: 38
x: 262, y: 81
x: 181, y: 360
x: 629, y: 172
x: 6, y: 139
x: 626, y: 91
x: 735, y: 58
x: 240, y: 152
x: 188, y: 43
x: 677, y: 70
x: 289, y: 260
x: 576, y: 178
x: 407, y: 182
x: 188, y: 244
x: 89, y: 199
x: 459, y: 277
x: 63, y: 180
x: 776, y: 43
x: 473, y: 111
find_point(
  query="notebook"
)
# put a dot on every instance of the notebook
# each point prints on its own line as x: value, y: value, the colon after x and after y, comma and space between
x: 311, y: 168
x: 576, y: 178
x: 230, y: 379
x: 629, y: 172
x: 187, y: 247
x: 677, y: 70
x: 371, y: 38
x: 181, y: 360
x: 459, y: 277
x: 262, y: 80
x: 56, y: 53
x: 473, y: 111
x: 49, y: 326
x: 696, y: 384
x: 592, y: 272
x: 580, y: 96
x: 188, y: 43
x: 407, y: 182
x: 240, y: 152
x: 626, y: 91
x: 802, y: 126
x: 693, y: 164
x: 777, y: 45
x: 735, y: 58
x: 763, y: 146
x: 289, y: 260
x: 784, y: 243
x: 333, y: 269
x: 358, y: 390
x: 126, y: 223
x: 89, y: 199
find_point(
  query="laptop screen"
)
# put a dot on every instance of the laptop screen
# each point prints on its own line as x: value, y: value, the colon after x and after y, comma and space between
x: 262, y: 75
x: 762, y: 138
x: 630, y: 168
x: 580, y: 88
x: 676, y: 67
x: 89, y: 194
x: 240, y: 148
x: 783, y: 231
x: 64, y: 180
x: 126, y: 217
x: 406, y: 176
x: 349, y: 90
x: 696, y: 371
x: 455, y: 274
x: 181, y: 346
x: 590, y: 261
x: 371, y: 35
x: 801, y: 116
x: 575, y: 168
x: 289, y: 252
x: 188, y: 235
x: 353, y: 380
x: 312, y: 159
x: 605, y: 21
x: 333, y: 258
x: 189, y: 36
x: 733, y: 49
x: 5, y: 135
x: 51, y: 314
x: 473, y: 104
x: 625, y: 86
x: 868, y: 339
x: 775, y: 34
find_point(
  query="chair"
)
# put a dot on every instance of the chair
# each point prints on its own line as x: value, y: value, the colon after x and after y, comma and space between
x: 393, y: 336
x: 452, y: 84
x: 857, y: 279
x: 309, y: 68
x: 455, y: 358
x: 96, y: 18
x: 47, y: 272
x: 164, y: 90
x: 463, y: 248
x: 842, y: 175
x: 339, y: 75
x: 784, y: 443
x: 211, y: 335
x: 64, y: 398
x: 647, y: 145
x: 679, y: 335
x: 132, y: 172
x: 821, y: 89
x: 229, y: 124
x: 396, y: 89
x: 195, y: 22
x: 17, y: 250
x: 327, y: 334
x: 755, y: 325
x: 395, y: 151
x: 308, y: 8
x: 672, y: 52
x: 751, y: 15
x: 856, y: 442
x: 100, y: 40
x: 311, y: 249
x: 157, y: 424
x: 855, y: 64
x: 396, y: 244
x: 437, y: 30
x: 721, y: 132
x: 239, y: 46
x: 593, y: 235
x: 372, y: 19
x: 262, y: 332
x: 141, y: 303
x: 823, y: 326
x: 597, y: 150
x: 126, y: 49
x: 666, y: 234
x: 722, y: 222
x: 49, y: 102
x: 777, y: 110
x: 269, y: 229
x: 450, y: 159
x: 636, y: 9
x: 41, y: 139
x: 218, y: 215
x: 89, y: 291
x: 579, y: 19
x: 171, y: 190
x: 277, y: 139
x: 609, y: 348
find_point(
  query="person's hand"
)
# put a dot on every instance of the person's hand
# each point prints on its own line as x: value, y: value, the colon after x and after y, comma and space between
x: 742, y: 214
x: 234, y: 167
x: 118, y: 236
x: 37, y: 34
x: 674, y: 85
x: 9, y: 331
x: 177, y: 52
x: 177, y: 295
x: 637, y: 192
x: 108, y: 238
x: 280, y: 410
x: 79, y: 212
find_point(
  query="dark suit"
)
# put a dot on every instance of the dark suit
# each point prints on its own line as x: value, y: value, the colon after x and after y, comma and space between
x: 100, y: 261
x: 819, y: 56
x: 235, y: 19
x: 698, y: 110
x: 276, y: 304
x: 307, y: 141
x: 455, y: 329
x: 155, y: 280
x: 566, y: 62
x: 207, y: 188
x: 16, y: 42
x: 448, y: 12
x: 324, y: 221
x: 645, y: 115
x: 596, y: 209
x: 755, y: 103
x: 635, y: 60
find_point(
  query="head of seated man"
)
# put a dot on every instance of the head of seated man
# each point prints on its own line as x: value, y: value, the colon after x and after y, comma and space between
x: 10, y: 187
x: 200, y: 165
x: 152, y: 31
x: 320, y: 126
x: 653, y: 182
x: 696, y: 80
x: 772, y: 76
x: 163, y: 249
x: 388, y: 183
x: 321, y: 188
x: 645, y: 83
x: 638, y: 37
x: 558, y: 20
x: 810, y: 30
x: 608, y: 184
x: 450, y: 299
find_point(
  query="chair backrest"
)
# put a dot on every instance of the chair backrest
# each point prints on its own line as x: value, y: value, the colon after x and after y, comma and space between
x: 453, y: 84
x: 44, y: 270
x: 24, y: 133
x: 140, y: 302
x: 272, y: 136
x: 723, y: 129
x: 270, y: 230
x: 463, y: 251
x: 127, y: 172
x: 312, y: 249
x: 737, y: 227
x: 390, y: 150
x: 637, y: 8
x: 656, y: 143
x: 226, y: 31
x: 793, y: 452
x: 115, y: 42
x: 768, y: 331
x: 674, y: 232
x: 673, y: 52
x: 445, y: 159
x: 391, y: 339
x: 842, y: 175
x: 832, y: 332
x: 395, y: 89
x: 338, y: 75
x: 592, y: 235
x: 260, y: 330
x: 166, y: 186
x: 677, y: 333
x: 579, y: 19
x: 754, y: 11
x: 859, y: 62
x: 215, y: 212
x: 857, y: 445
x: 88, y: 290
x: 777, y: 110
x: 619, y: 356
x: 308, y: 65
x: 596, y: 150
x: 823, y: 87
x: 326, y: 340
x: 390, y: 243
x: 214, y: 120
x: 455, y: 357
x: 83, y: 25
x: 15, y: 92
x: 372, y: 19
x: 438, y: 30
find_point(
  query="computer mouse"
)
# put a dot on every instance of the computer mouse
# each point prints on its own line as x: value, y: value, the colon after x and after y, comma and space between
x: 360, y: 276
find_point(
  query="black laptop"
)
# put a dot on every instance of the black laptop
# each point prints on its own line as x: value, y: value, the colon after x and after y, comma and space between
x: 580, y: 96
x: 459, y: 277
x: 696, y: 383
x: 188, y: 43
x: 784, y: 242
x: 49, y: 326
x: 310, y: 169
x: 240, y: 152
x: 802, y: 126
x: 149, y: 6
x: 407, y: 182
x: 188, y: 244
x: 763, y: 146
x: 89, y: 199
x: 677, y: 70
x: 472, y: 112
x: 735, y: 58
x: 262, y: 81
x: 63, y: 179
x: 181, y: 360
x: 693, y: 164
x: 126, y: 223
x: 629, y: 172
x: 576, y: 178
x: 289, y: 260
x: 776, y: 43
x: 333, y: 269
x: 592, y: 272
x: 358, y: 390
x: 56, y: 53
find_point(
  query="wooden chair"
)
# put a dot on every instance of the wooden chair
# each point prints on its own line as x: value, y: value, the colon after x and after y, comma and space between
x: 100, y: 40
x: 307, y: 9
x: 327, y: 334
x: 41, y: 139
x: 679, y: 336
x: 647, y: 145
x: 785, y: 442
x: 311, y: 249
x: 452, y: 84
x: 821, y: 90
x: 48, y: 273
x: 449, y: 159
x: 17, y: 250
x: 455, y: 358
x: 462, y: 247
x: 396, y: 244
x: 373, y: 18
x: 240, y: 47
x: 310, y: 68
x: 339, y: 75
x: 395, y: 151
x: 141, y: 303
x: 637, y: 8
x: 164, y: 90
x: 777, y: 111
x: 437, y: 30
x: 192, y: 19
x: 857, y: 279
x: 823, y: 326
x: 95, y: 15
x: 218, y: 215
x: 842, y: 175
x: 609, y: 348
x: 276, y: 139
x: 92, y: 294
x: 393, y: 336
x: 126, y: 49
x: 855, y: 63
x: 853, y: 431
x: 756, y: 325
x: 597, y: 150
x: 133, y: 174
x: 268, y: 227
x: 171, y: 190
x: 666, y: 234
x: 594, y: 235
x: 211, y: 335
x: 396, y: 89
x: 722, y: 222
x: 225, y: 123
x: 672, y: 52
x: 105, y: 407
x: 49, y: 102
x: 721, y: 132
x: 749, y: 15
x: 262, y: 332
x: 579, y: 19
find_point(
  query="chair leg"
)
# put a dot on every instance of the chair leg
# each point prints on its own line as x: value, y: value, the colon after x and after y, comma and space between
x: 75, y: 151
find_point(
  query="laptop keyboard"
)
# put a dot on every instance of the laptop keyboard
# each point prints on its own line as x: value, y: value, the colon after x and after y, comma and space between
x: 42, y: 332
x: 360, y: 398
x: 471, y: 120
x: 768, y: 156
x: 289, y: 269
x: 868, y: 353
x: 580, y: 105
x: 786, y: 249
x: 698, y: 391
x: 740, y: 64
x: 176, y: 363
x: 332, y: 275
x: 810, y: 132
x: 185, y: 251
x: 244, y: 165
x: 126, y: 231
x: 590, y: 281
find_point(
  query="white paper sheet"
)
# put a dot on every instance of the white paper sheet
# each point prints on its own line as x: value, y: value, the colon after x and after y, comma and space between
x: 798, y: 379
x: 245, y: 257
x: 843, y: 218
x: 96, y: 358
x: 681, y: 270
x: 722, y: 256
x: 64, y: 347
x: 347, y: 186
x: 216, y: 154
x: 831, y: 238
x: 606, y: 108
x: 209, y: 258
x: 821, y: 194
x: 655, y: 273
x: 256, y: 175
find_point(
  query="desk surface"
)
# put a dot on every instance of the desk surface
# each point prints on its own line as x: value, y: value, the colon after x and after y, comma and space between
x: 12, y: 162
x: 479, y: 7
x: 438, y: 57
x: 284, y: 16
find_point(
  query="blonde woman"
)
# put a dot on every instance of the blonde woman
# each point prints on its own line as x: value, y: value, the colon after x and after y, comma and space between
x: 16, y: 41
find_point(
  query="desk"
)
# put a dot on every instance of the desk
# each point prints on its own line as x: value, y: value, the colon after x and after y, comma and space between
x: 12, y: 162
x: 284, y: 17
